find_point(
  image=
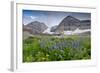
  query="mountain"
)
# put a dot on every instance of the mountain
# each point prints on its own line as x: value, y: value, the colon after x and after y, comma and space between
x: 68, y: 23
x: 71, y: 23
x: 35, y: 27
x: 85, y: 24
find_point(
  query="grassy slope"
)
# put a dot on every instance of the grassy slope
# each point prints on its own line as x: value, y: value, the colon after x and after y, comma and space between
x: 49, y: 48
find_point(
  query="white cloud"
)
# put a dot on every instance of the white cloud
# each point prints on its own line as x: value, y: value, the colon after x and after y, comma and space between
x: 33, y: 17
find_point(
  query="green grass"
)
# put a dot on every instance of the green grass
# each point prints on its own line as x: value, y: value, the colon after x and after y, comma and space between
x: 49, y: 48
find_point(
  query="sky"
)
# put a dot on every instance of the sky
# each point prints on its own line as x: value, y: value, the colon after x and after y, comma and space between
x: 51, y: 18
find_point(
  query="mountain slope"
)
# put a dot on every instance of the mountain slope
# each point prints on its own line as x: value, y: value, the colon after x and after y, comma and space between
x: 35, y: 27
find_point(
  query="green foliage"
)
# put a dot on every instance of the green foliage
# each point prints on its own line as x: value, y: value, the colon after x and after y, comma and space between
x: 49, y: 48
